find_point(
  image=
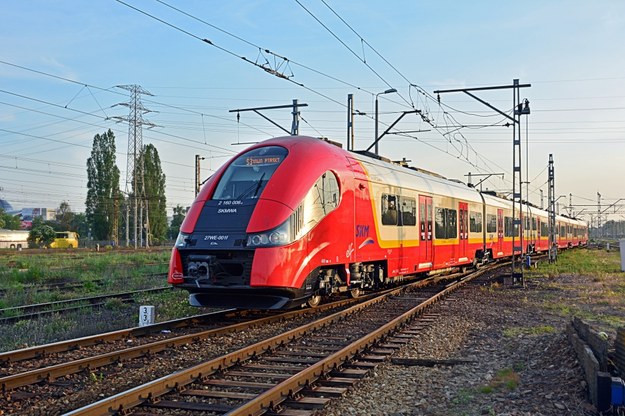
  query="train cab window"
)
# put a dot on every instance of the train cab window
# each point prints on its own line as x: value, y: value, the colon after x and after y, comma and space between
x: 248, y: 174
x: 475, y: 222
x: 446, y: 223
x: 491, y: 223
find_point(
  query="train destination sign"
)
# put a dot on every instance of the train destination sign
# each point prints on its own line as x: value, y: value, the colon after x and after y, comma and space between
x: 263, y: 160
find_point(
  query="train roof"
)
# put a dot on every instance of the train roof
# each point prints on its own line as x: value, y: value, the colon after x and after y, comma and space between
x: 386, y: 172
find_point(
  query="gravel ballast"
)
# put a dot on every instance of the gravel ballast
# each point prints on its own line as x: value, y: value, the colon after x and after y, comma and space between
x: 511, y: 357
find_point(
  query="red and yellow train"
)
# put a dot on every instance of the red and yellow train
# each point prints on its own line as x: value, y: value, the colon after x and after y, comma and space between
x: 293, y: 219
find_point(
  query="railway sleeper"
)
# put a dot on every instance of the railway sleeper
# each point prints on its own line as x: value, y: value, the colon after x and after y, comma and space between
x: 324, y: 391
x: 306, y: 403
x: 194, y: 406
x: 349, y: 373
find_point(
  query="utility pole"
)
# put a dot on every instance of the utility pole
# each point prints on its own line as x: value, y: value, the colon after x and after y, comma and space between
x: 350, y: 121
x: 375, y: 139
x: 517, y: 200
x: 553, y: 247
x: 599, y: 232
x: 295, y: 112
x: 134, y: 163
x: 197, y: 174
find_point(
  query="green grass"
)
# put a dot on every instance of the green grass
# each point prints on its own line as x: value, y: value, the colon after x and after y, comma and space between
x: 113, y: 316
x: 26, y: 277
x: 23, y: 277
x: 598, y: 263
x: 506, y: 379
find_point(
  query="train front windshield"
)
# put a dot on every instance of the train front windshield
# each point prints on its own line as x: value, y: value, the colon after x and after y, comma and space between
x: 247, y: 176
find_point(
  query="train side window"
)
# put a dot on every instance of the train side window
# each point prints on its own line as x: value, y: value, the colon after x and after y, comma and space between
x: 446, y: 223
x: 491, y: 223
x: 422, y: 223
x: 408, y: 211
x: 509, y: 227
x: 322, y: 198
x: 439, y: 223
x: 452, y: 221
x: 544, y: 229
x: 475, y: 222
x: 389, y: 209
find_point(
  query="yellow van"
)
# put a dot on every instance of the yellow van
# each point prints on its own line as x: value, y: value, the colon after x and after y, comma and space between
x: 65, y: 239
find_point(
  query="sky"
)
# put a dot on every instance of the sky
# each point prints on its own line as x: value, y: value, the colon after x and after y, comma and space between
x: 62, y: 64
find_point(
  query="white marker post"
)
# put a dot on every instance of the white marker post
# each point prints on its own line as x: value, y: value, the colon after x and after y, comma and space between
x: 146, y: 315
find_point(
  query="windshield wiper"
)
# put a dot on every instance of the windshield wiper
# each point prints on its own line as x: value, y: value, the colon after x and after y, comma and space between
x: 255, y: 186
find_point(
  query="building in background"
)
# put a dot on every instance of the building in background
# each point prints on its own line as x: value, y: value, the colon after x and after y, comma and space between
x: 28, y: 214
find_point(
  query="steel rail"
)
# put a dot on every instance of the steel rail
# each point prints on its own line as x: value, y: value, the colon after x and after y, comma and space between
x: 64, y: 286
x: 63, y: 346
x: 91, y: 363
x: 68, y: 345
x: 177, y: 381
x: 38, y: 309
x: 282, y: 391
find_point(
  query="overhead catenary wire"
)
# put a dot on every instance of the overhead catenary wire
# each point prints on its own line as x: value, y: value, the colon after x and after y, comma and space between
x: 269, y: 70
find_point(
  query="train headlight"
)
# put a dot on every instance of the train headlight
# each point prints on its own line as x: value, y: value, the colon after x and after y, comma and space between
x: 257, y: 240
x: 279, y: 236
x: 181, y: 241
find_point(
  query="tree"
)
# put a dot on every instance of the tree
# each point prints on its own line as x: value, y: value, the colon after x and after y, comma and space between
x: 65, y: 216
x: 8, y: 221
x: 80, y: 225
x: 176, y: 222
x: 41, y: 234
x: 103, y: 194
x: 152, y: 188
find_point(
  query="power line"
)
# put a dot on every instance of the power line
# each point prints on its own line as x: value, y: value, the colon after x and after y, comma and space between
x: 261, y: 48
x: 265, y: 67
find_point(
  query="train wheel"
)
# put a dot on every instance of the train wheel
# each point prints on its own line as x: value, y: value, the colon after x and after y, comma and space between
x: 355, y: 293
x: 314, y: 301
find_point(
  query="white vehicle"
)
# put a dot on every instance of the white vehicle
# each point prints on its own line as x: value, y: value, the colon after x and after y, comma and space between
x: 13, y: 239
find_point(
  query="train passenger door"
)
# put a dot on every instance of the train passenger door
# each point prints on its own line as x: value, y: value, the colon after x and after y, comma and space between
x: 425, y: 232
x: 463, y: 219
x: 357, y: 249
x: 499, y: 232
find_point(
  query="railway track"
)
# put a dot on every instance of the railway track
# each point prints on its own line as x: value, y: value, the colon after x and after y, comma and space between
x: 17, y: 313
x: 297, y: 371
x: 52, y: 361
x: 299, y: 351
x: 71, y: 285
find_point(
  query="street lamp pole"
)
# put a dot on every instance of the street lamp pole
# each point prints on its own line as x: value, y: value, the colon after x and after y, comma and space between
x: 375, y: 139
